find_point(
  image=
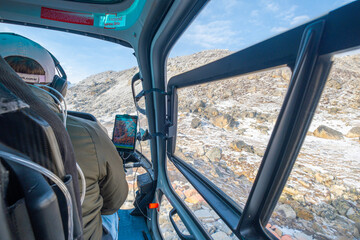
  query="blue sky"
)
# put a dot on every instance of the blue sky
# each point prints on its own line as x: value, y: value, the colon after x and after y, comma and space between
x: 223, y: 24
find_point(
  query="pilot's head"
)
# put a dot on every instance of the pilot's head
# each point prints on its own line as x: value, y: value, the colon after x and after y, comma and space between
x: 33, y: 63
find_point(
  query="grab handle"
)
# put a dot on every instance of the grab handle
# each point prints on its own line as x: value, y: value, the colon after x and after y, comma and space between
x: 178, y: 232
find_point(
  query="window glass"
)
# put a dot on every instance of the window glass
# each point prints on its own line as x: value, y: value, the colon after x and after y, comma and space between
x: 224, y: 127
x: 235, y: 25
x: 166, y: 228
x: 321, y: 199
x: 197, y: 204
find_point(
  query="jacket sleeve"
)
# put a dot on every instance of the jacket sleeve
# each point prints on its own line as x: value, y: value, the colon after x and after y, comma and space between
x: 113, y: 185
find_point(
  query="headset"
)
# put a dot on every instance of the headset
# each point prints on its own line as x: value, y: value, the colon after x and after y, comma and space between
x: 58, y: 83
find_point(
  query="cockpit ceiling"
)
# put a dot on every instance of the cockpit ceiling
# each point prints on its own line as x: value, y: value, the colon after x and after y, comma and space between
x: 113, y: 20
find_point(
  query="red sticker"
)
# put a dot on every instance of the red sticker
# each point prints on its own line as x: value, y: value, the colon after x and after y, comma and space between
x: 66, y: 16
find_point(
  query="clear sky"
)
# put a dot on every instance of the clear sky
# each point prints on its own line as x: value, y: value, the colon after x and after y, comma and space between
x: 223, y: 24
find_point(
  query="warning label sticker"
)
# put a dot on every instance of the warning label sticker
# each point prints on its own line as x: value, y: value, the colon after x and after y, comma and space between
x: 66, y: 16
x: 112, y: 21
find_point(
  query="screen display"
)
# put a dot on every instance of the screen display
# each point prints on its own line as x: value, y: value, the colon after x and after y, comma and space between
x: 124, y: 135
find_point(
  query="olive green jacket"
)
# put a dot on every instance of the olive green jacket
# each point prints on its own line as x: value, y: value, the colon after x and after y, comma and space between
x: 106, y: 186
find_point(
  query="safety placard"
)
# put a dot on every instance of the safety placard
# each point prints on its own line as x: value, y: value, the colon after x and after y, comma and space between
x: 112, y: 21
x: 67, y: 16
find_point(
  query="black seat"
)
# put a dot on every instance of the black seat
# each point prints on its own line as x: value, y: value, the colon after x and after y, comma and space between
x: 31, y: 128
x: 17, y: 86
x: 83, y: 115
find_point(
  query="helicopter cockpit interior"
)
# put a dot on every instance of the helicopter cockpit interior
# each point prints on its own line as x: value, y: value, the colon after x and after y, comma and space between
x: 41, y: 199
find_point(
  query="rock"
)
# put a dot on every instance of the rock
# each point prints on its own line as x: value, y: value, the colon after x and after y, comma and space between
x: 326, y: 211
x: 354, y: 132
x: 286, y: 74
x: 212, y: 112
x: 354, y: 214
x: 214, y: 154
x: 337, y: 190
x: 350, y: 212
x: 259, y: 152
x: 290, y: 191
x: 196, y: 122
x: 262, y: 129
x: 200, y: 151
x: 341, y: 205
x: 304, y: 184
x: 202, y: 214
x: 190, y: 192
x: 319, y: 178
x: 334, y: 110
x: 302, y: 236
x: 240, y: 146
x: 194, y: 199
x: 220, y: 236
x: 214, y: 215
x: 241, y: 131
x: 286, y: 211
x: 223, y: 121
x: 286, y: 237
x: 200, y: 104
x: 356, y: 233
x: 244, y: 182
x: 211, y: 229
x: 304, y: 213
x: 220, y: 225
x: 317, y: 227
x: 328, y: 133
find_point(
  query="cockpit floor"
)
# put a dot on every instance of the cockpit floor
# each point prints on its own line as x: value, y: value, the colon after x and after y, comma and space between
x: 132, y: 227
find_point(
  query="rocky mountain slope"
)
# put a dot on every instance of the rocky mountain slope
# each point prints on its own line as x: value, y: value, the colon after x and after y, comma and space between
x: 224, y: 128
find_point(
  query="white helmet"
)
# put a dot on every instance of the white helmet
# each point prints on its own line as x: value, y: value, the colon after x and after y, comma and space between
x: 12, y: 44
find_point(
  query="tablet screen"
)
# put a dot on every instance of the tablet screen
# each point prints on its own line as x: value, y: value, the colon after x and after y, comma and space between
x: 124, y: 134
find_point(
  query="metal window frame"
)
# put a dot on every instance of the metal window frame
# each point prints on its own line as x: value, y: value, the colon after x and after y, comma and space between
x: 308, y: 51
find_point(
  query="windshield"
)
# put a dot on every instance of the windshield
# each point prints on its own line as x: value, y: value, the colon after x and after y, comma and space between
x: 235, y: 25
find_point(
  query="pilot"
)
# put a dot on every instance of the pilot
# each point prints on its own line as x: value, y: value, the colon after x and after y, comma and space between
x: 106, y: 186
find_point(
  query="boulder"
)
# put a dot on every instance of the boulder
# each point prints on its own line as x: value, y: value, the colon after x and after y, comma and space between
x: 214, y: 154
x: 354, y: 214
x: 354, y: 132
x: 203, y: 214
x: 326, y: 211
x: 286, y: 211
x: 199, y: 105
x: 304, y: 213
x: 328, y: 133
x: 240, y: 146
x: 196, y: 122
x: 341, y: 205
x: 223, y: 121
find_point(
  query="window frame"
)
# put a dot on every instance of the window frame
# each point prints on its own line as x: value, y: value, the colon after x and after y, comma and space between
x: 307, y: 50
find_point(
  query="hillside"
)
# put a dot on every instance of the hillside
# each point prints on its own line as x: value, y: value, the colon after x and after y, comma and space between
x: 223, y: 131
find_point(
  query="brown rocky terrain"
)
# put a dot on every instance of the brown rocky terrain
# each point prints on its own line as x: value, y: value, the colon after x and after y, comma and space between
x: 223, y: 131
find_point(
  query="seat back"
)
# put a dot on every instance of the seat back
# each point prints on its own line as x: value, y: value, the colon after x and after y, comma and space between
x: 17, y: 86
x: 31, y: 128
